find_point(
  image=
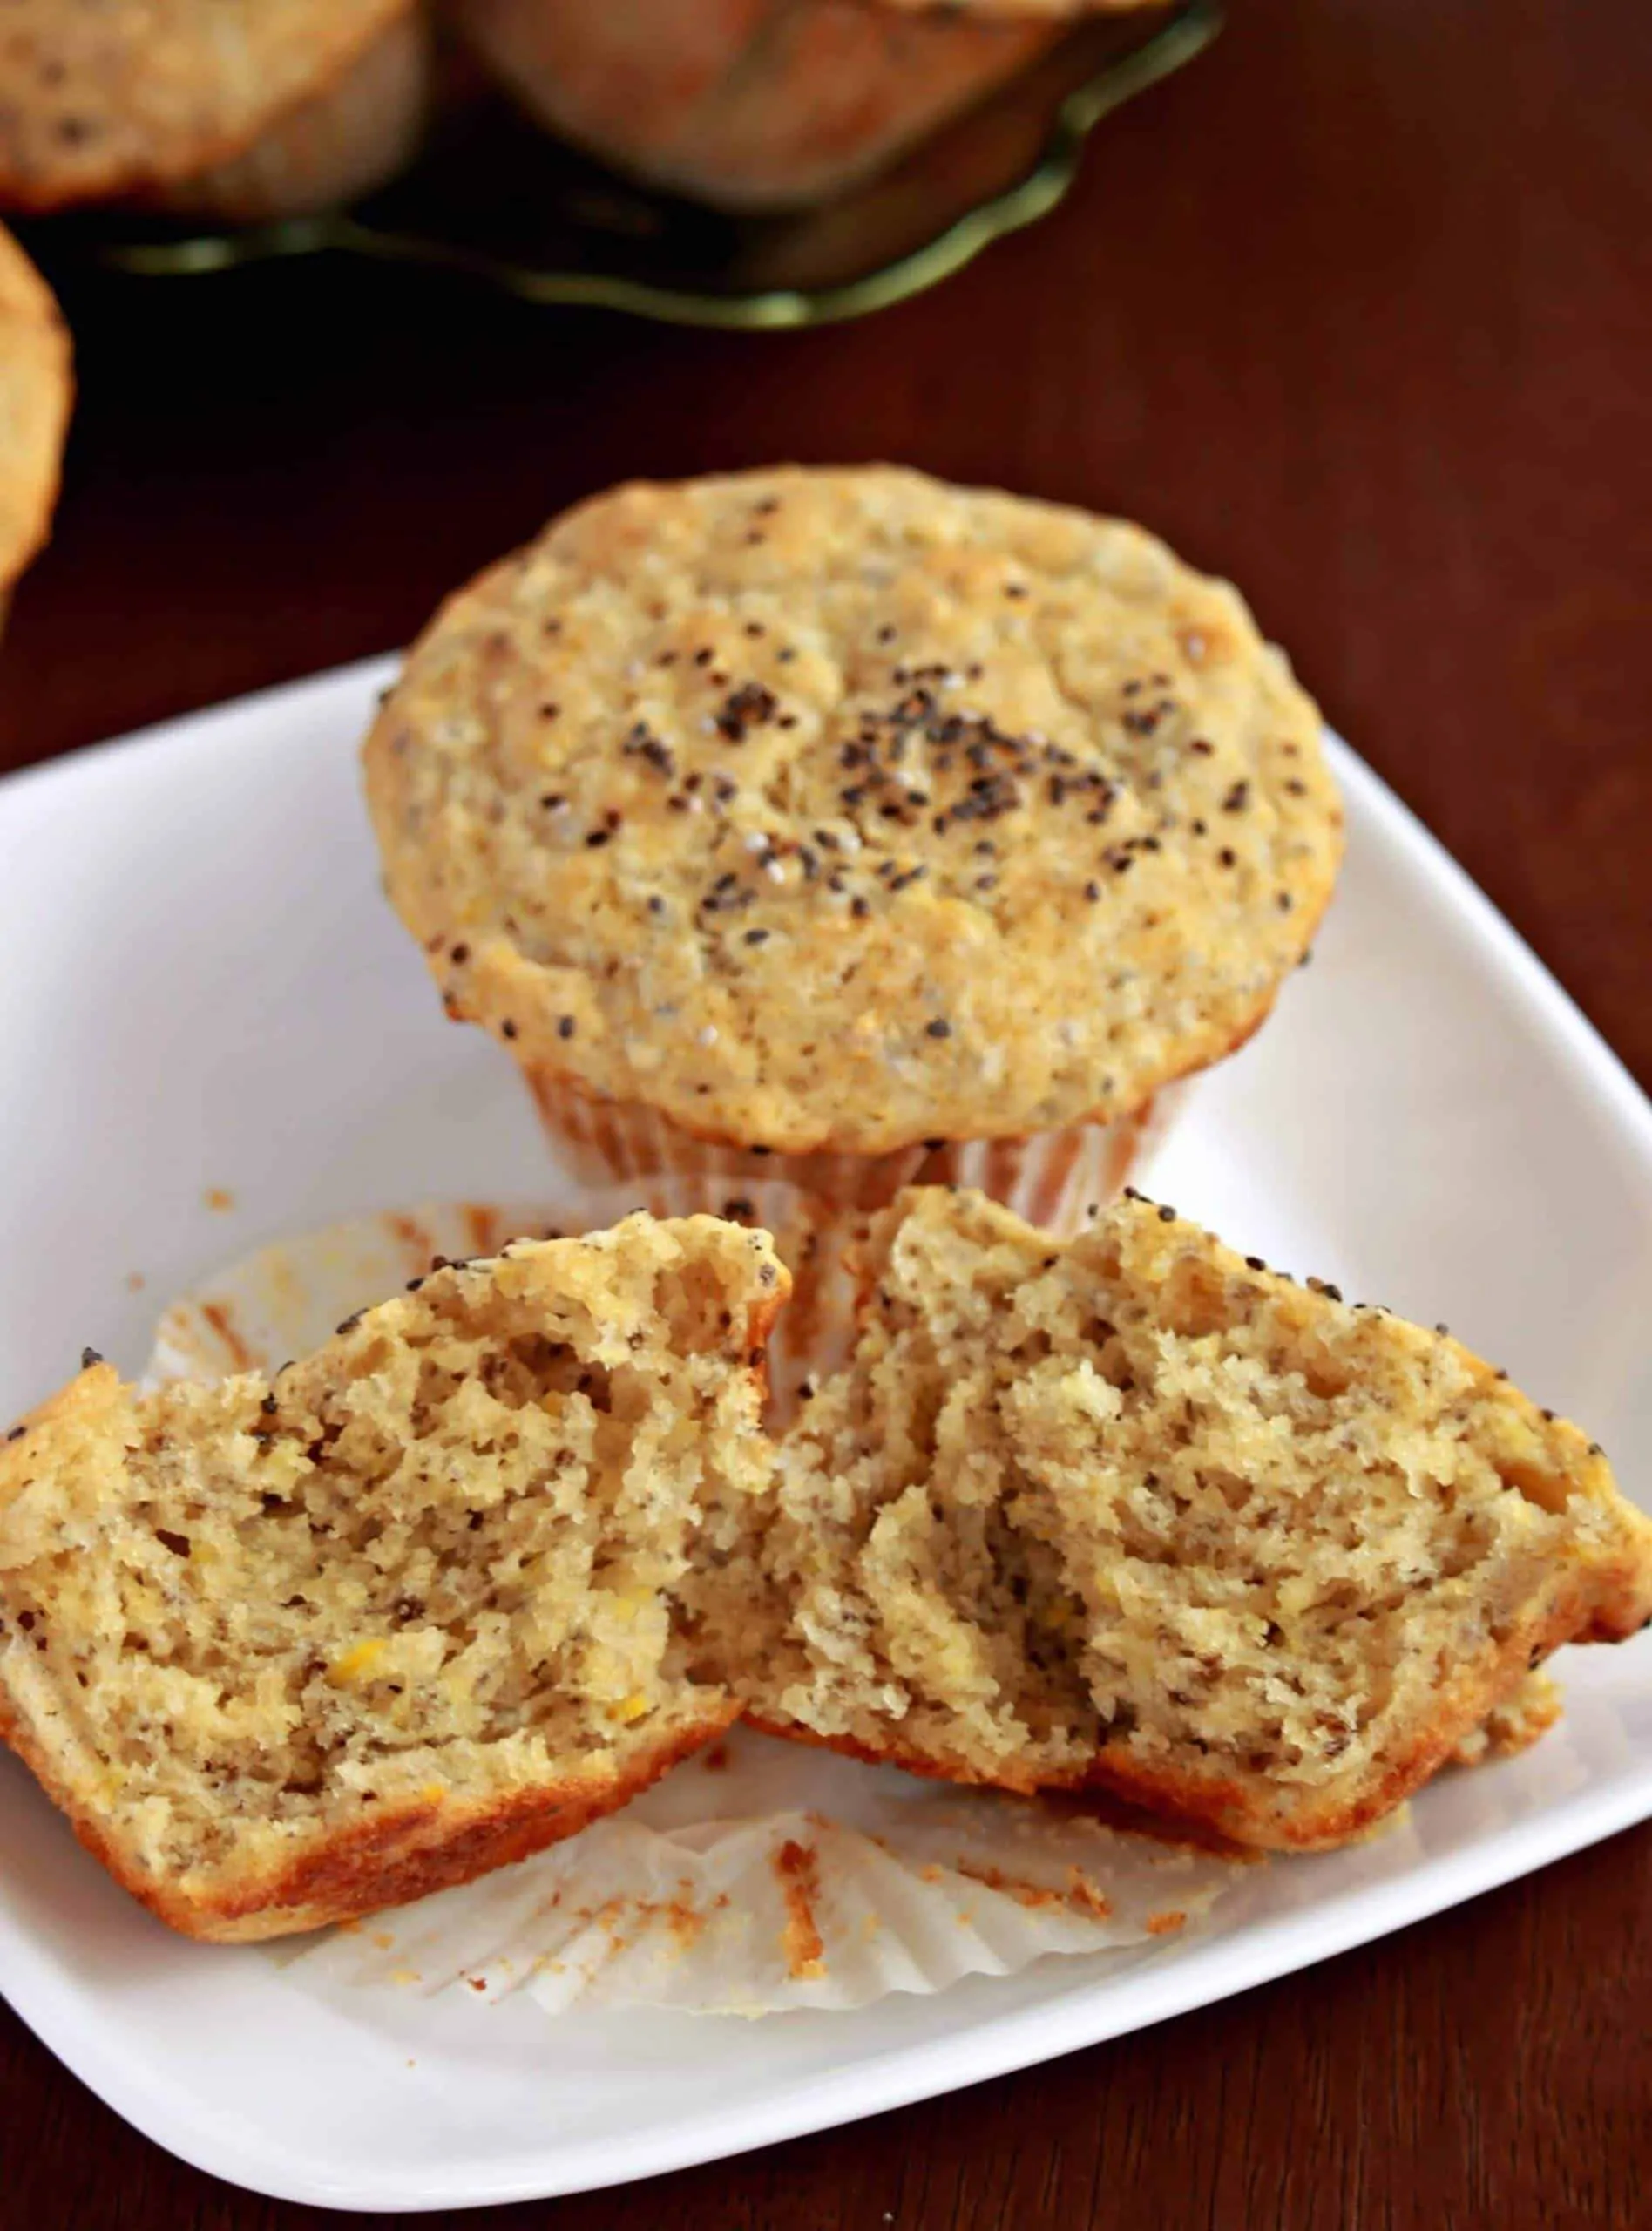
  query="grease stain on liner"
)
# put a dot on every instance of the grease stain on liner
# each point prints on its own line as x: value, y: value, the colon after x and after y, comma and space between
x: 782, y: 1879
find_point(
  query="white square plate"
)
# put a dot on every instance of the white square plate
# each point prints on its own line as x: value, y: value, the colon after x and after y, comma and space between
x: 206, y: 996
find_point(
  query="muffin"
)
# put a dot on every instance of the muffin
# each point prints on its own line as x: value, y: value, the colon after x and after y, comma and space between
x: 755, y: 103
x: 354, y: 134
x: 1139, y: 1513
x: 101, y: 102
x: 844, y: 826
x: 36, y: 389
x: 290, y: 1648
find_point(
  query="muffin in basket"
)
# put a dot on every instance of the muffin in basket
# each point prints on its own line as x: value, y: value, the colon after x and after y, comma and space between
x: 349, y: 137
x: 241, y: 108
x: 756, y: 104
x: 36, y: 392
x: 843, y: 826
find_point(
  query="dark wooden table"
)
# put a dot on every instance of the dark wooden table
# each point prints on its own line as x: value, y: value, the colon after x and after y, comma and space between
x: 1359, y: 310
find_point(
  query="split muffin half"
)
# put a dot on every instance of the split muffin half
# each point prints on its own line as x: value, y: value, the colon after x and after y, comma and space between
x: 1137, y: 1513
x: 291, y: 1650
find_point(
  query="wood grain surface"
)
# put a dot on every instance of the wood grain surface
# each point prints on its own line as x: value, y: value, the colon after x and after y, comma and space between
x: 1359, y: 311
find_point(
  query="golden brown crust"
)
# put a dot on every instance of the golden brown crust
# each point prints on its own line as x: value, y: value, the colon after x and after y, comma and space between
x: 37, y: 390
x: 1513, y: 1724
x: 837, y: 810
x: 935, y: 1764
x: 99, y: 100
x: 373, y: 1863
x: 1229, y: 1807
x: 1235, y: 1809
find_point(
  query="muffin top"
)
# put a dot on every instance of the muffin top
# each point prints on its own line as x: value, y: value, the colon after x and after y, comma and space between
x: 111, y: 96
x: 35, y: 391
x: 843, y: 809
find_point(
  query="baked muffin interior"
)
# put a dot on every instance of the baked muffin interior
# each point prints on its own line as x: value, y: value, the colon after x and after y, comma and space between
x: 434, y: 1560
x: 1140, y: 1511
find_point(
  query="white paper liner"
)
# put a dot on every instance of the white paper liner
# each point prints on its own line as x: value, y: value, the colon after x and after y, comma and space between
x: 1052, y: 1179
x: 762, y: 1875
x: 762, y: 1878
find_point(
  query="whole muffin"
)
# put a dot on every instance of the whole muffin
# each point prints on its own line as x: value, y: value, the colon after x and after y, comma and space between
x: 111, y: 99
x: 37, y: 390
x: 359, y: 130
x: 851, y: 819
x: 756, y: 104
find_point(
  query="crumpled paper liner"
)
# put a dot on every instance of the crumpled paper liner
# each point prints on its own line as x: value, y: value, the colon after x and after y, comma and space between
x: 761, y: 1876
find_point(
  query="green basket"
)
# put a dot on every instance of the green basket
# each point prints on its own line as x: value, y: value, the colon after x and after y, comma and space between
x: 495, y: 198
